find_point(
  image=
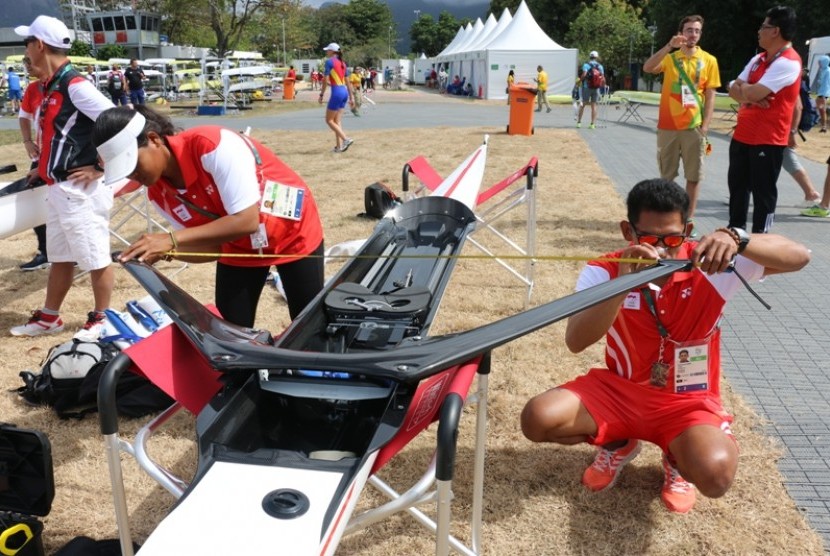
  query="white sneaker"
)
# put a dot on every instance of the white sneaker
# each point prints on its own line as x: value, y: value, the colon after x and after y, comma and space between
x: 346, y: 144
x: 37, y: 326
x: 91, y: 332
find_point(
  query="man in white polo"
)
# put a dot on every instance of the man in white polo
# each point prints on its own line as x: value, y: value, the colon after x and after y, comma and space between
x: 77, y: 223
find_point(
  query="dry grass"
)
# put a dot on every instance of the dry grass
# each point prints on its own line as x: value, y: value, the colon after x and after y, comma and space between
x: 535, y: 504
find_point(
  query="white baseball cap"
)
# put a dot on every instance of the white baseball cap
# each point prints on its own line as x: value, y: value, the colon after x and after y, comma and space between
x: 594, y: 54
x: 50, y: 30
x: 333, y: 46
x: 120, y: 152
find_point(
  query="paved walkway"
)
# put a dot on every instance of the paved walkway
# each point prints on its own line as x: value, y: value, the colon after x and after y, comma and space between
x: 774, y: 359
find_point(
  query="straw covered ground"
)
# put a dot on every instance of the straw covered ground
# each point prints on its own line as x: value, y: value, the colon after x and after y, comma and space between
x: 534, y: 501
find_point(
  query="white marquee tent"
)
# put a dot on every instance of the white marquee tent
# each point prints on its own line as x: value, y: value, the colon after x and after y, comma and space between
x: 484, y: 53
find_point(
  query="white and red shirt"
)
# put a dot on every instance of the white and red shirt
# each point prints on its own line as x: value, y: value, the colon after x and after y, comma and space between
x: 30, y: 107
x: 70, y: 106
x: 689, y: 306
x: 781, y: 74
x: 222, y: 176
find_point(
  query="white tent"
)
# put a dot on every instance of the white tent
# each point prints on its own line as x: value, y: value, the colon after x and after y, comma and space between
x: 516, y: 43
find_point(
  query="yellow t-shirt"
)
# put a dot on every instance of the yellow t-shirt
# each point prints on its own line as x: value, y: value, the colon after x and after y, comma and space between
x: 354, y: 79
x: 542, y: 81
x: 679, y: 111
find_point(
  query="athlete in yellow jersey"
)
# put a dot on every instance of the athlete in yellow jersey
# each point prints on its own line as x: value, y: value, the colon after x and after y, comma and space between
x: 541, y: 89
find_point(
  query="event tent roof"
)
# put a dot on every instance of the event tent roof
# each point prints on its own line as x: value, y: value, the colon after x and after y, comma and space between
x: 523, y: 33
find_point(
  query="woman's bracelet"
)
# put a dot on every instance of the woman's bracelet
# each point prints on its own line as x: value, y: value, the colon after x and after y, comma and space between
x: 173, y: 239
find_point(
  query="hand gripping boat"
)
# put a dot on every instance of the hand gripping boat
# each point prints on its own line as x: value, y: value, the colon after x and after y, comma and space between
x: 298, y: 425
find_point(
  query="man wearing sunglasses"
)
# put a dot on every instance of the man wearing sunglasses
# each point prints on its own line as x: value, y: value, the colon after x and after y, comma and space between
x: 78, y: 202
x: 767, y: 89
x: 641, y: 394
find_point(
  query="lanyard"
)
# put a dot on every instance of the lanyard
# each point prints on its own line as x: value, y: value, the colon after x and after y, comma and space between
x: 762, y: 61
x: 652, y: 308
x: 51, y: 87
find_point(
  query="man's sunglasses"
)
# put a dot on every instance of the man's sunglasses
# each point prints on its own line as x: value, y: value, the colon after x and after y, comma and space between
x: 669, y: 240
x: 28, y: 40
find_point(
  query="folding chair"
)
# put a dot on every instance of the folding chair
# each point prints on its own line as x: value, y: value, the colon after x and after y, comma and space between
x: 516, y: 194
x: 130, y: 202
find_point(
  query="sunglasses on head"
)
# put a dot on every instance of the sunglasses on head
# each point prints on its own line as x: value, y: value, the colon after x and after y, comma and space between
x: 669, y: 240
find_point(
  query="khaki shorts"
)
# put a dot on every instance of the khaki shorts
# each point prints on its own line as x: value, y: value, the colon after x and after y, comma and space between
x: 674, y: 145
x: 77, y: 224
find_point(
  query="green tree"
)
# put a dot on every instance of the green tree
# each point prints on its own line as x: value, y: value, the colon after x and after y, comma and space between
x: 424, y: 36
x: 111, y: 51
x: 80, y: 48
x: 614, y: 28
x: 430, y: 36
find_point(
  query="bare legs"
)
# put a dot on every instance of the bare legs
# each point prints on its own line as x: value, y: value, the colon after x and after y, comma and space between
x: 333, y: 118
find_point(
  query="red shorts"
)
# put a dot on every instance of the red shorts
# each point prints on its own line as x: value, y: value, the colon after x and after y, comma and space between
x: 623, y: 409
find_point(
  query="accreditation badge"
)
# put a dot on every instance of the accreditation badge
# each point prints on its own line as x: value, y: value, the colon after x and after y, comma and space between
x: 687, y: 97
x: 282, y: 201
x: 691, y: 367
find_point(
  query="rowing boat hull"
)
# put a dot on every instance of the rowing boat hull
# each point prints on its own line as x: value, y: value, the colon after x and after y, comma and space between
x: 21, y: 210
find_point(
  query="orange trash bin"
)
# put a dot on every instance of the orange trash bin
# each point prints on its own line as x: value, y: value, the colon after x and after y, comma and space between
x: 522, y: 99
x: 288, y: 88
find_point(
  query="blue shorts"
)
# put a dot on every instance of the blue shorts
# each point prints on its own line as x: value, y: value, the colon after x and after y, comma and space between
x: 339, y: 97
x: 15, y: 94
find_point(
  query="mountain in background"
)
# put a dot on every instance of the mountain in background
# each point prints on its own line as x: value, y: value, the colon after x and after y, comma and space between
x: 403, y: 11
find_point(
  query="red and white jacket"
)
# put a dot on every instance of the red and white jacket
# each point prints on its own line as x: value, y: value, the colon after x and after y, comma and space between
x: 68, y: 112
x: 689, y: 306
x: 223, y: 176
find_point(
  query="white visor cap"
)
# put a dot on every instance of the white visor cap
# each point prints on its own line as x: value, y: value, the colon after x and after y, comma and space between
x: 120, y: 152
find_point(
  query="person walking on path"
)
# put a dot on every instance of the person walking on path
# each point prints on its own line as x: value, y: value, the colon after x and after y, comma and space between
x: 541, y: 80
x: 687, y: 101
x: 222, y: 192
x: 117, y: 86
x: 511, y: 79
x: 334, y: 76
x: 822, y: 208
x: 767, y: 90
x: 135, y: 82
x: 15, y: 91
x: 78, y: 201
x: 593, y: 80
x: 821, y: 86
x: 645, y: 392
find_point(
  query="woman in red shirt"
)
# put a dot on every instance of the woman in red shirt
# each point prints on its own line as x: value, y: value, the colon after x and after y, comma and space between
x: 222, y: 192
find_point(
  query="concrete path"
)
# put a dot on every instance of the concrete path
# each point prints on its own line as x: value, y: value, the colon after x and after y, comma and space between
x: 774, y: 359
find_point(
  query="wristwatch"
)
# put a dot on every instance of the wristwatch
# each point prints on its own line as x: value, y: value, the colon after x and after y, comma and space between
x: 743, y: 238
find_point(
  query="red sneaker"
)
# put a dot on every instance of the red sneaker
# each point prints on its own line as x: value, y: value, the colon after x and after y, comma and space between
x: 678, y: 494
x: 603, y: 473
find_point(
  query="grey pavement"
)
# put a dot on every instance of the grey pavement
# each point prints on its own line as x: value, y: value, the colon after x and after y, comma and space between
x: 774, y: 359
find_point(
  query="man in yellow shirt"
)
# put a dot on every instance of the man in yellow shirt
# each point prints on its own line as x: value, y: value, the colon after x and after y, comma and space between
x: 687, y: 101
x: 355, y: 79
x: 541, y: 89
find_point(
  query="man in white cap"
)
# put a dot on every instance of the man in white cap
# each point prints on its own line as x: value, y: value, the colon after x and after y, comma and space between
x: 593, y: 80
x: 78, y: 201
